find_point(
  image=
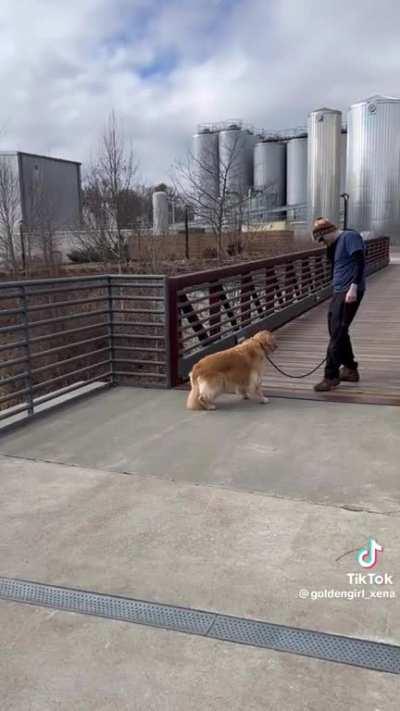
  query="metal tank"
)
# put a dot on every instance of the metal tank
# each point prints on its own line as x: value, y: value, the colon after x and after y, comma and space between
x: 160, y: 213
x: 252, y: 139
x: 373, y: 165
x: 296, y: 171
x: 323, y: 164
x: 206, y: 165
x: 233, y: 159
x: 343, y: 161
x: 270, y: 169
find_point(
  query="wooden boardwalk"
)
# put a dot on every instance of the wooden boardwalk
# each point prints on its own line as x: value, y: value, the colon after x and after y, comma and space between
x: 376, y: 341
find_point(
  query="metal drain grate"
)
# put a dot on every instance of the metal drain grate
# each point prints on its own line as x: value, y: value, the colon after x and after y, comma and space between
x: 320, y: 645
x: 110, y: 606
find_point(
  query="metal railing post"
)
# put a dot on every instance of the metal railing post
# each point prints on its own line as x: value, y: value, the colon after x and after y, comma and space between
x: 111, y: 329
x: 28, y: 379
x: 171, y: 333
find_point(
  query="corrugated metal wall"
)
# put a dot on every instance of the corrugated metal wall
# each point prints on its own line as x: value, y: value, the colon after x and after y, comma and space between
x: 50, y: 191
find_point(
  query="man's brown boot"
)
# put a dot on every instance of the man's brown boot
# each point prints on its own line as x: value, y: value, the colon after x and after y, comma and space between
x: 326, y: 385
x: 349, y: 375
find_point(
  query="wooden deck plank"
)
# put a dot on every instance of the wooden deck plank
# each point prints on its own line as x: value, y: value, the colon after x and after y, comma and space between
x: 376, y: 340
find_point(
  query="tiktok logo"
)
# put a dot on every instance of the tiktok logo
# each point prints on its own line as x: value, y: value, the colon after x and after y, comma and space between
x: 368, y: 557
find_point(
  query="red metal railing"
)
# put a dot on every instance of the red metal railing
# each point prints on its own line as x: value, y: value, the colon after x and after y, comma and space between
x: 210, y: 310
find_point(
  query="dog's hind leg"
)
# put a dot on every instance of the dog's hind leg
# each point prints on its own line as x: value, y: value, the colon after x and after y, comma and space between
x: 206, y: 396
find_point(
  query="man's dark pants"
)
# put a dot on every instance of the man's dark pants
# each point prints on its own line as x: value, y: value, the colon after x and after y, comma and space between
x: 340, y: 351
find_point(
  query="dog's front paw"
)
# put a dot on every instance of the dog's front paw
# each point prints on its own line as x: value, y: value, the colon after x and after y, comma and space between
x: 264, y: 400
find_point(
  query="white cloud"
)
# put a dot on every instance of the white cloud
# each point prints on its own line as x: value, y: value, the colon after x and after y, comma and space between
x: 65, y: 65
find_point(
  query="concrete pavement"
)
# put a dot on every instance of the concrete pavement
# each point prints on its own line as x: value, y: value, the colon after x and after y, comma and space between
x: 229, y: 511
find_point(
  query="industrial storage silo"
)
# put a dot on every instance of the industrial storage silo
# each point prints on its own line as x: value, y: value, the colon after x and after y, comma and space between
x: 233, y: 159
x: 252, y: 139
x: 206, y: 165
x: 373, y: 165
x: 296, y: 171
x: 160, y: 213
x: 270, y: 169
x: 343, y: 161
x: 323, y: 164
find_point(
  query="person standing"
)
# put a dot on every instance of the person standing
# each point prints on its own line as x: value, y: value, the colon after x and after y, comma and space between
x: 346, y: 253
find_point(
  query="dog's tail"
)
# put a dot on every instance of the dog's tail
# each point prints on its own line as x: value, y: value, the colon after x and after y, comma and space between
x: 193, y: 402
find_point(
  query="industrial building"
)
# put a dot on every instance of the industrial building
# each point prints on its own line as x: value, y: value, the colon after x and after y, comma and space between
x: 302, y: 173
x: 49, y: 189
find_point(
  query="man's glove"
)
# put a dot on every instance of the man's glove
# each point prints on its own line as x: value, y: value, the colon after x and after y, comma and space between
x: 351, y: 295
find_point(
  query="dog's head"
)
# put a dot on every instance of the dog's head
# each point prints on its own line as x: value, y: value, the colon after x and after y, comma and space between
x: 266, y: 340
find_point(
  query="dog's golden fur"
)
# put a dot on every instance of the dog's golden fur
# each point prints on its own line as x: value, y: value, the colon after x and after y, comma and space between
x: 236, y: 370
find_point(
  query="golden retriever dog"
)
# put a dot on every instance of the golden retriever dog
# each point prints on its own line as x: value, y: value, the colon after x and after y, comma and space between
x: 236, y: 370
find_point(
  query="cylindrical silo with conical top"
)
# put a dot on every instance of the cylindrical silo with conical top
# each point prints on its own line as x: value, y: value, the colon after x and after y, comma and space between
x: 206, y: 166
x: 233, y: 159
x: 373, y: 165
x: 323, y: 169
x: 160, y: 213
x: 296, y: 171
x: 270, y: 169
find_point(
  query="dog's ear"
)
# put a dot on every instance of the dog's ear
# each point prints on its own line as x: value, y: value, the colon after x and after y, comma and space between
x: 268, y: 340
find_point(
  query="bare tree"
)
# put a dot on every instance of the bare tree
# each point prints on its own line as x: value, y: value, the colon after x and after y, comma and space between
x: 109, y: 190
x: 41, y: 234
x: 213, y: 189
x: 10, y: 213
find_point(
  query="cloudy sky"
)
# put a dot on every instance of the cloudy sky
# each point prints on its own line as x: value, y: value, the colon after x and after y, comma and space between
x: 166, y: 65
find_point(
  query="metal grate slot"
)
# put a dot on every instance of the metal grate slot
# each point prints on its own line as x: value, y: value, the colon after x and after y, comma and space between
x: 319, y: 645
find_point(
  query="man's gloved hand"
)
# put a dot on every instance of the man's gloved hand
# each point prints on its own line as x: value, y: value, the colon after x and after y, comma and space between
x: 351, y: 295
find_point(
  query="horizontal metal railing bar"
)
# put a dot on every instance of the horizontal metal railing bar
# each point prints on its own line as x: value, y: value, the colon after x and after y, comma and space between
x: 14, y: 378
x: 136, y: 276
x: 123, y: 297
x: 142, y: 349
x: 45, y: 383
x: 73, y: 317
x: 133, y: 282
x: 66, y: 361
x: 69, y: 332
x: 139, y: 361
x: 150, y: 312
x: 139, y: 337
x: 70, y: 388
x: 15, y: 411
x: 11, y: 396
x: 6, y: 297
x: 12, y: 328
x: 12, y: 346
x: 62, y: 304
x: 138, y: 374
x: 11, y: 363
x: 63, y: 290
x: 58, y: 349
x: 59, y: 280
x: 11, y: 312
x: 149, y: 324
